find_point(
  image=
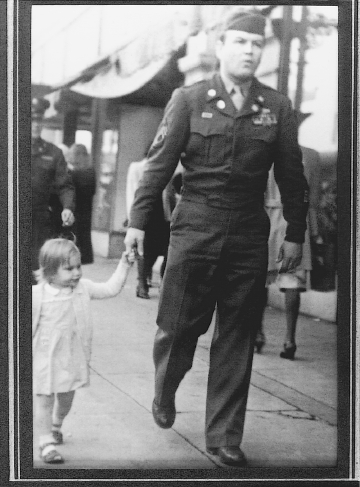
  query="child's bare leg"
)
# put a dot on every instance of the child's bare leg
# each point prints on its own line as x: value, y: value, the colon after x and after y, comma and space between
x: 44, y: 406
x: 43, y: 411
x: 63, y: 403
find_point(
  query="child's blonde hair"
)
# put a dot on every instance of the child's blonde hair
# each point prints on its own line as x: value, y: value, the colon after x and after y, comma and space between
x: 53, y: 254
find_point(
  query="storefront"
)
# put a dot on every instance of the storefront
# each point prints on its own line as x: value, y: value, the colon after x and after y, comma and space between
x: 119, y: 102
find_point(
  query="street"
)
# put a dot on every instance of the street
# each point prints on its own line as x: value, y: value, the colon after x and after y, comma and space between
x: 291, y: 418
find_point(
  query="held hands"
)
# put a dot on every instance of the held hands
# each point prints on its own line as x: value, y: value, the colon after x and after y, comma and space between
x: 128, y: 257
x: 290, y: 254
x: 67, y: 217
x: 134, y: 241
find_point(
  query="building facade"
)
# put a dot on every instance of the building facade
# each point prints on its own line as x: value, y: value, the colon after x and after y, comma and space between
x: 112, y: 84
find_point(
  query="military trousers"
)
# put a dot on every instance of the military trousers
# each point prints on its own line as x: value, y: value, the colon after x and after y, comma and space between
x: 217, y: 259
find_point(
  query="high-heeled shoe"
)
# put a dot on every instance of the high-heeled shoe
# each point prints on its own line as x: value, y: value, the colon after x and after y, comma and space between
x: 259, y: 341
x: 141, y: 292
x: 289, y: 351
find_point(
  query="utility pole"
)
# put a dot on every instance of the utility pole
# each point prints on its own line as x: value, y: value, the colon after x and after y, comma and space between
x: 301, y: 61
x: 286, y: 37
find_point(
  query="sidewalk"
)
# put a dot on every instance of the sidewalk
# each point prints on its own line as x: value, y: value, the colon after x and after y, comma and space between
x: 291, y: 419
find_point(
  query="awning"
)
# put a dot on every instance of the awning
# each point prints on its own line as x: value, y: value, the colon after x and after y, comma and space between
x: 110, y: 84
x: 133, y: 65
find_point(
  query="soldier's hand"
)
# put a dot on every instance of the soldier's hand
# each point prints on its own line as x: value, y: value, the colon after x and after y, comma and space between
x: 290, y: 255
x: 67, y: 217
x: 128, y: 258
x: 134, y: 240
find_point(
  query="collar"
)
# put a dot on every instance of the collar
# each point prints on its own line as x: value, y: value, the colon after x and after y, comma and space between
x: 253, y: 103
x: 230, y: 85
x: 55, y: 290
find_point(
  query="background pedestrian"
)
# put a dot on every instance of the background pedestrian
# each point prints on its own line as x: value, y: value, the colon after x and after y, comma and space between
x: 49, y: 174
x: 157, y: 230
x: 84, y: 178
x: 56, y: 207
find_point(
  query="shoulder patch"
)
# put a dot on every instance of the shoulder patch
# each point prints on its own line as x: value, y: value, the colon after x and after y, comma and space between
x: 160, y: 135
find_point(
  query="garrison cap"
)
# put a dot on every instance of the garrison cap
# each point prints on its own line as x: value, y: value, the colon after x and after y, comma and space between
x: 246, y: 21
x: 38, y: 107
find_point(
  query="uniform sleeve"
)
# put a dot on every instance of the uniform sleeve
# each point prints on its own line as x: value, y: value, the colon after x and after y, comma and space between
x: 110, y: 288
x: 64, y: 185
x: 134, y: 175
x: 289, y: 175
x: 163, y: 158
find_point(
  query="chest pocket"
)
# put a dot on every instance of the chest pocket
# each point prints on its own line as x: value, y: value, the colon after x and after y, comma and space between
x: 208, y: 139
x: 261, y: 133
x: 43, y: 170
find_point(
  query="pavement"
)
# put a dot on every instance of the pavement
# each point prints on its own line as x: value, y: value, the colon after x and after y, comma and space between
x: 292, y: 406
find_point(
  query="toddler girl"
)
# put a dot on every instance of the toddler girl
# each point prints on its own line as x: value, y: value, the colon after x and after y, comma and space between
x: 62, y: 333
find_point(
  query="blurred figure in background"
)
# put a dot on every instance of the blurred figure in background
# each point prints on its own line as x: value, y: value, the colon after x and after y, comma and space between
x: 56, y: 206
x: 49, y: 173
x: 157, y: 232
x: 84, y: 179
x: 298, y: 281
x: 325, y: 247
x: 65, y: 150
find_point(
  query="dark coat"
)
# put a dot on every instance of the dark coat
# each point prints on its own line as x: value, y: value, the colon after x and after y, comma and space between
x: 227, y: 154
x: 49, y: 174
x: 85, y: 186
x: 218, y: 247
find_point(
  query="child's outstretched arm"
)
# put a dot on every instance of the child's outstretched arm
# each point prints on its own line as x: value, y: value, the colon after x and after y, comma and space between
x: 112, y: 287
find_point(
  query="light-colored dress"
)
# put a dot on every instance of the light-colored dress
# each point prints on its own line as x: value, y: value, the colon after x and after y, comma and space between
x: 301, y: 277
x: 62, y: 331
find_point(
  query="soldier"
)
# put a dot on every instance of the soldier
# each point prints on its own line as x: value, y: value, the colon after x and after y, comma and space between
x: 231, y: 129
x: 48, y: 172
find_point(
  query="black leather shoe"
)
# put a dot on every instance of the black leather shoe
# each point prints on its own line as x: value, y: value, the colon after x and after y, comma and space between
x: 142, y: 292
x: 164, y: 416
x: 289, y: 351
x: 259, y: 341
x: 230, y: 455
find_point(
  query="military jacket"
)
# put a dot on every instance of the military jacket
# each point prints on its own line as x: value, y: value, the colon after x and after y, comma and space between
x: 227, y: 154
x: 49, y: 173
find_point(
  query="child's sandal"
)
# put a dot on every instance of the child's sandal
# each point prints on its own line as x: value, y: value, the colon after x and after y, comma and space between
x: 58, y: 437
x: 49, y: 454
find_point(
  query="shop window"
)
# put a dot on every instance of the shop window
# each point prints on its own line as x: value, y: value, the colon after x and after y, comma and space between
x: 105, y: 194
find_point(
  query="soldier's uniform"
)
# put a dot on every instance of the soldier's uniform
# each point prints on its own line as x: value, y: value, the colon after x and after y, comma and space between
x: 218, y: 250
x: 48, y: 171
x: 300, y: 277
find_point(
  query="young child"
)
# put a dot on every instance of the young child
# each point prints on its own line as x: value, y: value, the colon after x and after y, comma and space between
x: 62, y: 333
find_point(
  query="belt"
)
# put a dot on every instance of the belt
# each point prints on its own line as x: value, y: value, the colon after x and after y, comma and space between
x: 221, y: 201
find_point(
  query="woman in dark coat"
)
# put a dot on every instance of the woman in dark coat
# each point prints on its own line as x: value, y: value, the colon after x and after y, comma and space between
x: 83, y: 175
